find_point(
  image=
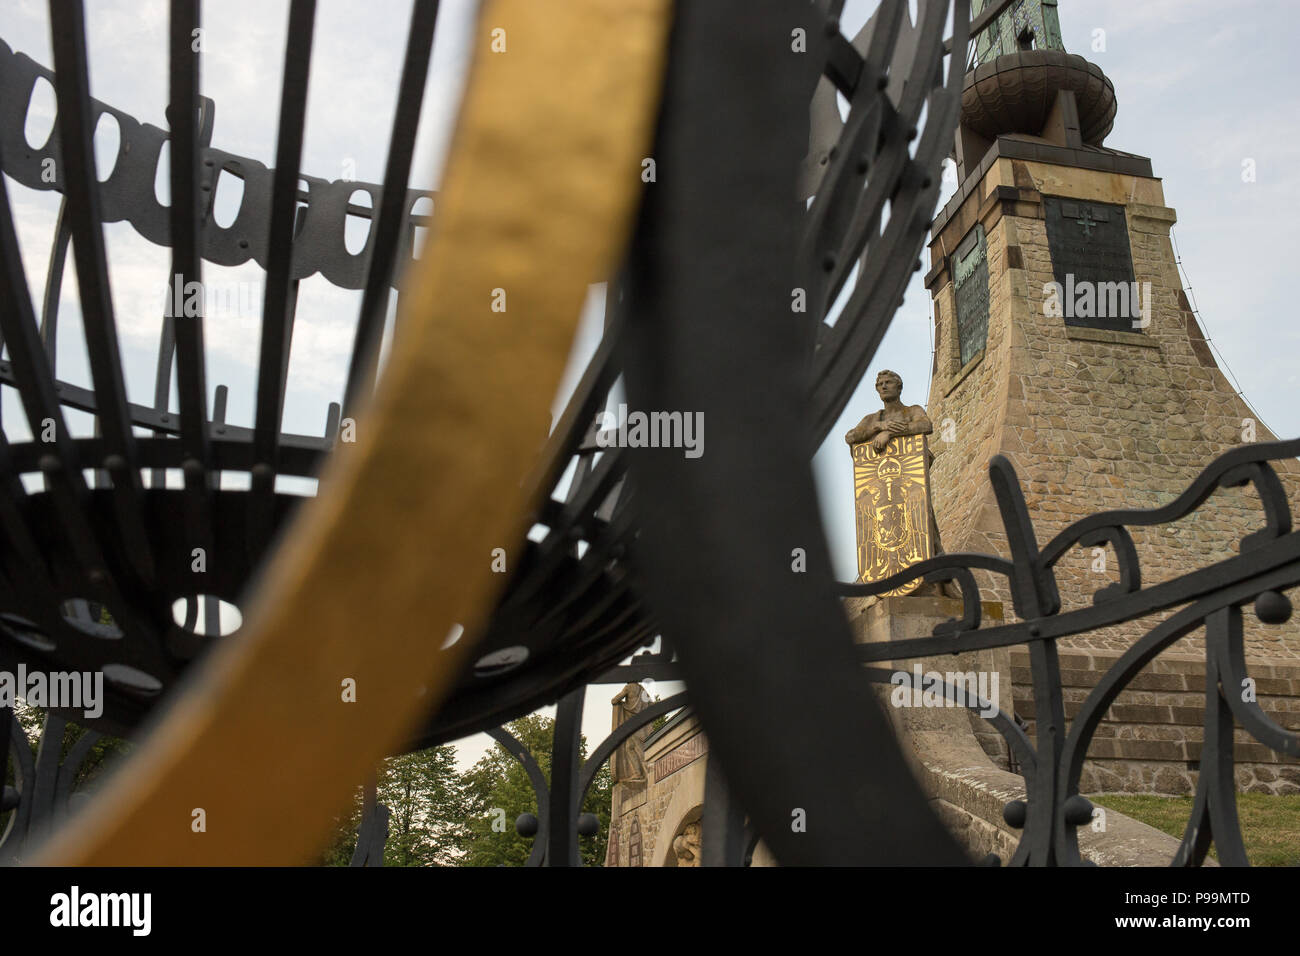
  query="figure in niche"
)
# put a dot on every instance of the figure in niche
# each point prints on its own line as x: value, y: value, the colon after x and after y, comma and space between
x: 628, y: 762
x: 686, y: 845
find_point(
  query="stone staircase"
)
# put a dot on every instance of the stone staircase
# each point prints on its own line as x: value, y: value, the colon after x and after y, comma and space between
x: 1151, y: 738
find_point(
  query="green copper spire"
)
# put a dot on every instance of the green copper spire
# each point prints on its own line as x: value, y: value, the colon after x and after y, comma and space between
x: 1021, y: 25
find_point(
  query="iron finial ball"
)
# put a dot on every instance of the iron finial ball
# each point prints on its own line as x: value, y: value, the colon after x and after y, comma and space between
x: 1272, y: 607
x: 1077, y: 810
x: 588, y: 825
x: 1014, y: 813
x: 526, y: 824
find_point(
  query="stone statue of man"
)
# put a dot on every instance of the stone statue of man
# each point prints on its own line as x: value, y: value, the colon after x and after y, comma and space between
x: 893, y: 419
x: 880, y: 428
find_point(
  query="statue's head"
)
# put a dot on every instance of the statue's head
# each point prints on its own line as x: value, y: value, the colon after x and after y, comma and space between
x: 889, y: 384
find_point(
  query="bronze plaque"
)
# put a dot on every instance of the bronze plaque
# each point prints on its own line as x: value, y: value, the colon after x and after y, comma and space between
x: 892, y: 489
x: 1092, y: 264
x: 971, y: 291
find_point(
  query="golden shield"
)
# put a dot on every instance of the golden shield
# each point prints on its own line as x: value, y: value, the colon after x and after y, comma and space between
x: 892, y: 491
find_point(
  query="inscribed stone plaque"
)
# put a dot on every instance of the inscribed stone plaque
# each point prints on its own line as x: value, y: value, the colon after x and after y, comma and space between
x: 971, y: 291
x: 1092, y: 264
x: 892, y: 490
x: 689, y: 750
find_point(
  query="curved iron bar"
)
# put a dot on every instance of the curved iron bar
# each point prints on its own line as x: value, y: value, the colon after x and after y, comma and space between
x: 186, y: 331
x: 765, y: 651
x: 54, y: 285
x: 1002, y: 722
x: 945, y: 567
x: 1204, y: 824
x: 1214, y: 814
x: 911, y: 185
x: 722, y: 821
x: 591, y: 766
x: 1271, y: 553
x: 602, y: 572
x: 1216, y: 791
x: 972, y: 610
x: 394, y: 206
x: 1270, y: 563
x: 1226, y: 646
x: 541, y: 790
x: 1207, y: 580
x: 954, y: 562
x: 72, y: 763
x: 566, y: 742
x: 135, y: 560
x: 1130, y: 569
x: 372, y: 831
x: 1141, y: 653
x: 43, y: 784
x: 19, y: 750
x: 280, y: 292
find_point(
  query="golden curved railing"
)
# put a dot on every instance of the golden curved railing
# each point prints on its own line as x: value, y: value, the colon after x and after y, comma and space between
x: 539, y: 194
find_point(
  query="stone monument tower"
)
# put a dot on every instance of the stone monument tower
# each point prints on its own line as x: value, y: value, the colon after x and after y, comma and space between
x: 1064, y: 341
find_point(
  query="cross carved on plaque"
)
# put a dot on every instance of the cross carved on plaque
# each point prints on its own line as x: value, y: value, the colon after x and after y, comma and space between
x: 1088, y: 223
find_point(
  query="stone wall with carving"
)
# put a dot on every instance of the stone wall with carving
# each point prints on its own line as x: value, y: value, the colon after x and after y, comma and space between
x: 671, y: 803
x: 673, y: 758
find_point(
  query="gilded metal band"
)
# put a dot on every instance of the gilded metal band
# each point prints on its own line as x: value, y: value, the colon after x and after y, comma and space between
x: 537, y: 200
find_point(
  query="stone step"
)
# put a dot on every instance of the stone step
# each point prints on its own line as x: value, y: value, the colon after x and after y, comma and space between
x: 1282, y: 712
x: 1165, y: 663
x: 1103, y: 748
x: 1159, y: 732
x: 1148, y: 680
x: 1101, y: 661
x: 1183, y: 699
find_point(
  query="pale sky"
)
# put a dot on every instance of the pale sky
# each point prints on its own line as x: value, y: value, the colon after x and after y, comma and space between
x: 1200, y: 91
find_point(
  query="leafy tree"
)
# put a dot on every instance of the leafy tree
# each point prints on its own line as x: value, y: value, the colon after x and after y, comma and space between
x: 426, y: 802
x: 426, y: 823
x: 343, y: 838
x: 498, y: 790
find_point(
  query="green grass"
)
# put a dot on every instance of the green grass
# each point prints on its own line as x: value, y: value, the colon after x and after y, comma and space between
x: 1270, y: 826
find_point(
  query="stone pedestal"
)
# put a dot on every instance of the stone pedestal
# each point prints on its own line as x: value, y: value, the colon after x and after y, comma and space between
x: 885, y: 619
